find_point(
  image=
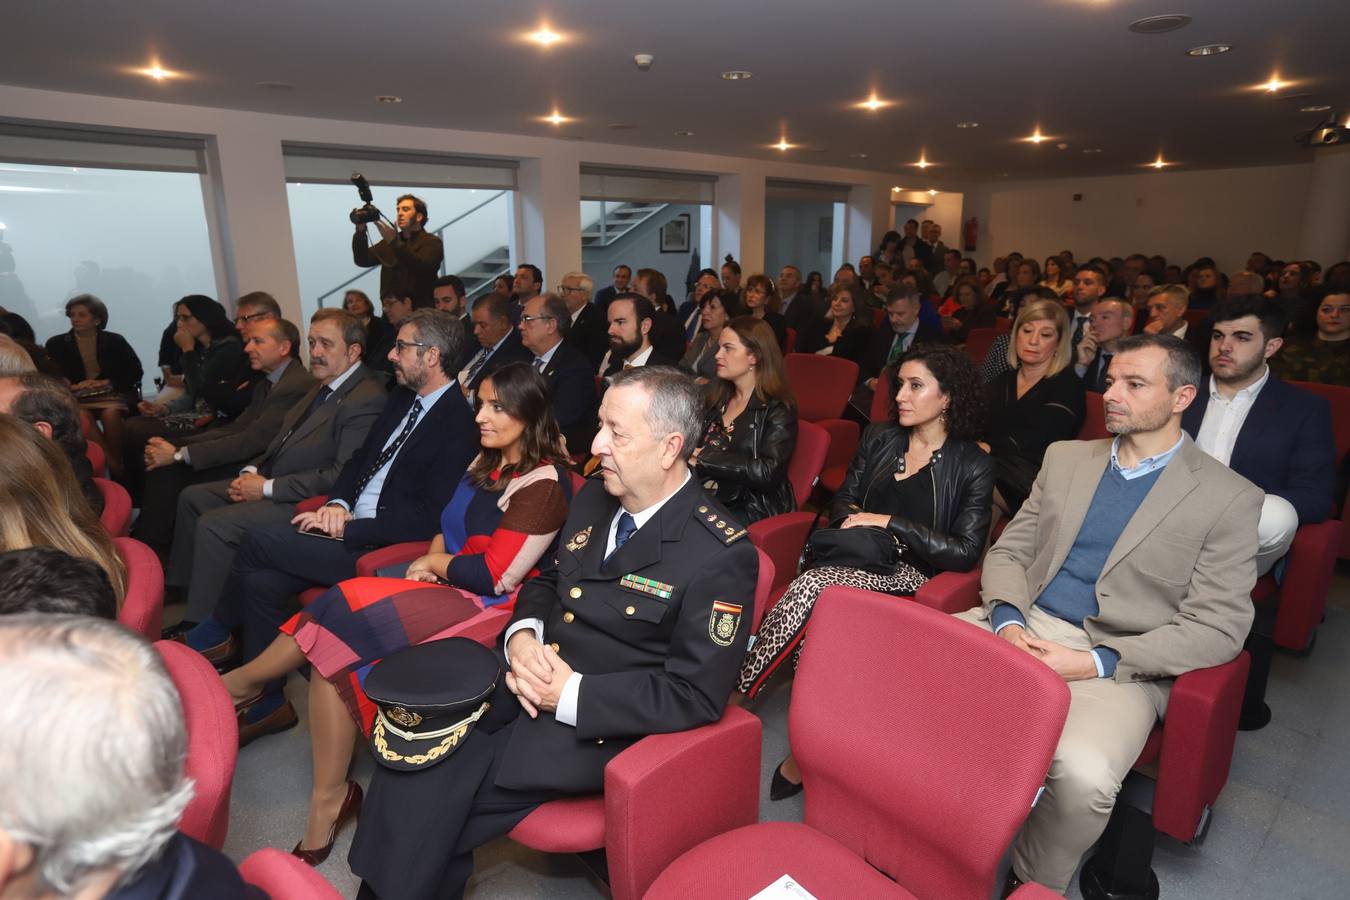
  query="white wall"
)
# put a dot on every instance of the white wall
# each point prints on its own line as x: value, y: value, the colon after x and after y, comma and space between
x: 1223, y: 213
x: 792, y: 230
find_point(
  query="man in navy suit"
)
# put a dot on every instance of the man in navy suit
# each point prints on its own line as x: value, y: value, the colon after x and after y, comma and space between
x: 622, y: 275
x: 392, y: 490
x: 543, y: 328
x: 498, y: 343
x: 588, y: 324
x: 1271, y: 433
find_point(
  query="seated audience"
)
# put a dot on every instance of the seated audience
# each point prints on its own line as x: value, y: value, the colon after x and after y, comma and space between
x: 731, y: 275
x: 498, y: 344
x: 717, y: 308
x: 502, y: 520
x: 588, y: 324
x: 214, y: 365
x: 358, y: 304
x: 1271, y: 433
x: 14, y: 359
x: 544, y: 322
x: 529, y: 282
x: 799, y: 306
x: 970, y: 311
x: 447, y: 295
x: 1022, y: 286
x: 1167, y: 306
x: 318, y: 437
x: 900, y: 330
x: 761, y: 301
x: 815, y: 284
x: 690, y: 314
x: 614, y: 676
x: 47, y: 405
x: 922, y: 479
x: 103, y: 370
x: 1325, y: 358
x: 1175, y: 597
x: 47, y: 580
x: 1053, y: 277
x: 217, y: 453
x: 750, y: 427
x: 1294, y: 289
x: 1207, y: 287
x: 380, y: 338
x: 1037, y: 402
x: 1111, y: 320
x: 666, y: 335
x: 622, y: 274
x: 945, y: 280
x: 630, y: 345
x: 393, y: 489
x: 844, y: 332
x: 41, y: 504
x: 1089, y: 286
x: 90, y: 716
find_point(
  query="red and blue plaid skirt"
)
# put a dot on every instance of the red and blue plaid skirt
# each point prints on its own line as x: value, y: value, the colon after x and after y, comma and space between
x: 359, y: 622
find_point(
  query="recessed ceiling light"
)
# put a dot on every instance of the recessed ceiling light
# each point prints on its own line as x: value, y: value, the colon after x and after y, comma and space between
x: 555, y: 119
x: 967, y: 124
x: 1316, y: 107
x: 857, y: 156
x: 1159, y: 24
x: 1274, y: 84
x: 1092, y: 149
x: 1209, y: 49
x: 158, y: 72
x: 389, y: 98
x: 684, y: 134
x: 1035, y: 137
x: 873, y: 103
x: 544, y: 36
x: 923, y: 162
x: 932, y: 192
x: 274, y: 86
x: 783, y: 145
x: 1160, y: 163
x: 896, y: 188
x: 737, y: 75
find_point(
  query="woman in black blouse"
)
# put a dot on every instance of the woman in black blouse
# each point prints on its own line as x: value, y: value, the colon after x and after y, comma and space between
x: 842, y: 333
x: 761, y: 301
x: 1038, y: 402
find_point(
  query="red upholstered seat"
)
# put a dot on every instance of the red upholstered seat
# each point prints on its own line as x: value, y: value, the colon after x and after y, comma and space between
x: 212, y: 738
x: 808, y: 458
x: 570, y: 825
x: 1094, y: 423
x: 791, y: 340
x: 116, y: 518
x: 1339, y: 398
x: 98, y: 461
x: 283, y: 877
x: 821, y: 384
x: 143, y: 607
x: 1002, y: 325
x: 978, y: 342
x: 896, y: 777
x: 844, y: 437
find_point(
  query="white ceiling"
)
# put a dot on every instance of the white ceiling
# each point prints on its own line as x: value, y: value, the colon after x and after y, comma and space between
x: 1069, y: 65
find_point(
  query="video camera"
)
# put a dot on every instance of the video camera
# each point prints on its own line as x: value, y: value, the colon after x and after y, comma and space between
x: 364, y: 215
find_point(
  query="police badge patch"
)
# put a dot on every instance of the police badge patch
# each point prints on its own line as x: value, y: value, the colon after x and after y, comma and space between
x: 580, y: 539
x: 722, y: 624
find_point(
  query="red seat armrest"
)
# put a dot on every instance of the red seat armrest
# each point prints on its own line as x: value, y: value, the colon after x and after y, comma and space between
x: 370, y: 563
x: 669, y: 792
x: 951, y: 592
x: 311, y: 504
x: 1307, y: 580
x: 1197, y: 745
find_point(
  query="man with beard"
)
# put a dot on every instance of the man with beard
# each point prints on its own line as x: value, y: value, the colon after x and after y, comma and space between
x: 1268, y: 431
x: 392, y: 490
x: 630, y: 323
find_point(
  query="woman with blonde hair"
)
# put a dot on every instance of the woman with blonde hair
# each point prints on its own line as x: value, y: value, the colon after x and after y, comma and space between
x: 1040, y: 401
x: 41, y: 504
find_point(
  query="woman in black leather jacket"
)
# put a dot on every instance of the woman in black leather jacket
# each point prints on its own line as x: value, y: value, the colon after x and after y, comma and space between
x: 750, y: 429
x: 924, y: 480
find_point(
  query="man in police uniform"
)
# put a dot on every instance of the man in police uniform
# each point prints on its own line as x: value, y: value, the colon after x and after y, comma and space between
x: 638, y: 629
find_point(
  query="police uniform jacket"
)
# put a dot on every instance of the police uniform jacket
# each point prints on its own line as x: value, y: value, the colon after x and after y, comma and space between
x: 657, y: 634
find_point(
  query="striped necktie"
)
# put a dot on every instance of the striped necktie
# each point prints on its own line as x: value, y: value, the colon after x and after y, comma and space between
x: 388, y: 453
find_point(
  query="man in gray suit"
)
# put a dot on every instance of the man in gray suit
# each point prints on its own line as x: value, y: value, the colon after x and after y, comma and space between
x: 1132, y: 562
x: 319, y: 434
x: 273, y: 348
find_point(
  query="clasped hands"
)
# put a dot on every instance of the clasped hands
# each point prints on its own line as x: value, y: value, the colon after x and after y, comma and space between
x: 158, y: 453
x: 1071, y: 665
x: 331, y: 520
x: 537, y: 674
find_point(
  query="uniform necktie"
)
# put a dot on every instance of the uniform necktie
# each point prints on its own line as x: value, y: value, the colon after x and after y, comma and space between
x: 539, y: 363
x: 627, y: 526
x: 897, y: 348
x: 388, y: 452
x: 477, y: 365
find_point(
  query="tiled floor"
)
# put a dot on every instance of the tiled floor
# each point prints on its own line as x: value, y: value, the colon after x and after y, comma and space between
x: 1281, y: 828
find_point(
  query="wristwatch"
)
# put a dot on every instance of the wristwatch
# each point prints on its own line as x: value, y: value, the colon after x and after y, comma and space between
x: 178, y: 456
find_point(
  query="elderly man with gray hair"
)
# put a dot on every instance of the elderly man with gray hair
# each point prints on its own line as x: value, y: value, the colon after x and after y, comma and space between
x: 638, y: 629
x: 92, y: 734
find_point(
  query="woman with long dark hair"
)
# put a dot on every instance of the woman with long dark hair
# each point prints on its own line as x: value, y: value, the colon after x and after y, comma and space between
x: 843, y: 332
x: 761, y: 301
x: 718, y: 307
x: 502, y: 520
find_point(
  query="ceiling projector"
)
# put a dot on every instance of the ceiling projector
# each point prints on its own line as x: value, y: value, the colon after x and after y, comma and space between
x: 1326, y: 134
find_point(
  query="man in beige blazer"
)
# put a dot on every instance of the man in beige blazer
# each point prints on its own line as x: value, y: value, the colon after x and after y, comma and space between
x: 1131, y: 562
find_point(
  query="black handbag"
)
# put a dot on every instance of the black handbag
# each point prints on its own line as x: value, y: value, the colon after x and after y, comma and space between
x: 866, y: 547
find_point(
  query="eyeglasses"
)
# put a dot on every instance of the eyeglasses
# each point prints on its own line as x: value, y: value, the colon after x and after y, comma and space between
x: 524, y: 319
x: 185, y: 317
x: 404, y: 345
x: 568, y: 289
x: 239, y: 320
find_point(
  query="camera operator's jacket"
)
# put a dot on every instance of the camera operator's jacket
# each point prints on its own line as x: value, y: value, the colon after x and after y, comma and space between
x: 407, y: 266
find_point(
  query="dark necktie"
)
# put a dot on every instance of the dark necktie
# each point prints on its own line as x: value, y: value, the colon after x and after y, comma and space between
x: 897, y: 348
x: 324, y: 393
x: 1078, y: 324
x: 539, y: 363
x: 627, y: 526
x: 477, y: 366
x: 388, y: 453
x: 1103, y: 363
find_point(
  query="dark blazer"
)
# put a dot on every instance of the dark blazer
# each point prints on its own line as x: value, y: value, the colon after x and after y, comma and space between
x: 187, y: 870
x: 656, y: 359
x: 1020, y: 429
x: 216, y: 374
x: 802, y: 311
x: 511, y: 350
x: 407, y: 267
x: 423, y: 475
x: 117, y: 362
x: 751, y: 471
x: 778, y: 322
x: 590, y: 334
x: 852, y: 344
x: 602, y: 298
x: 652, y: 664
x: 667, y: 336
x: 1285, y: 446
x: 254, y: 429
x: 572, y: 378
x: 689, y: 316
x: 879, y: 347
x: 1094, y: 377
x: 309, y: 451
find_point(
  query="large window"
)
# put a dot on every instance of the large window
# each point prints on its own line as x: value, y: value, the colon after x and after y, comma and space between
x: 106, y: 222
x: 470, y: 207
x: 804, y: 227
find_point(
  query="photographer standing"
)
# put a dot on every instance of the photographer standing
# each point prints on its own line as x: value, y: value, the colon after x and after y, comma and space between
x: 410, y: 259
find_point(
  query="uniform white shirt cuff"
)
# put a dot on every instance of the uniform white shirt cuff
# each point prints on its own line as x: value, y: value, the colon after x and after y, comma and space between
x: 566, y: 712
x: 186, y: 457
x: 537, y: 625
x: 267, y: 487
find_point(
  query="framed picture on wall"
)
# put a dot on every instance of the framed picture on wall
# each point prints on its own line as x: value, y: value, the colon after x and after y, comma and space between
x: 675, y: 235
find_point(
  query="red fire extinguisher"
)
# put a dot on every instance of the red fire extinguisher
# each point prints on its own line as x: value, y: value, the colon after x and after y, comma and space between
x: 971, y: 232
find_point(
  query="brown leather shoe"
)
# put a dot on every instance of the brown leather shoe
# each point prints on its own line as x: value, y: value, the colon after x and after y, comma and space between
x: 351, y: 808
x: 223, y: 652
x: 282, y: 718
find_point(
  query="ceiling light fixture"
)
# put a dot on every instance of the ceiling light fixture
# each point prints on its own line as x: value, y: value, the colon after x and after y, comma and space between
x: 923, y: 162
x: 1316, y: 107
x: 1160, y: 163
x: 388, y: 98
x: 158, y: 72
x: 932, y: 192
x: 1159, y: 24
x: 967, y: 124
x: 1274, y: 84
x: 873, y: 103
x: 896, y: 188
x: 783, y: 145
x: 1209, y: 49
x: 737, y: 75
x: 1036, y: 137
x: 556, y: 118
x: 545, y: 37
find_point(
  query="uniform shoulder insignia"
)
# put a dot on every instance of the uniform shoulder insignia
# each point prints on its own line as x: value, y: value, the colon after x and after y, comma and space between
x: 715, y: 519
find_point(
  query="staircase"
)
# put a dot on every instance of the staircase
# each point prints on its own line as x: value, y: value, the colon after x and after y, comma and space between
x: 479, y: 276
x: 617, y: 221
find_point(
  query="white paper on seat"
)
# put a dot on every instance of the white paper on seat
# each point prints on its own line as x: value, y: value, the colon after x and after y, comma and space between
x: 785, y: 888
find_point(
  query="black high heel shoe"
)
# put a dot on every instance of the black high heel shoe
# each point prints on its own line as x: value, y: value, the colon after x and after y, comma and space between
x: 780, y: 788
